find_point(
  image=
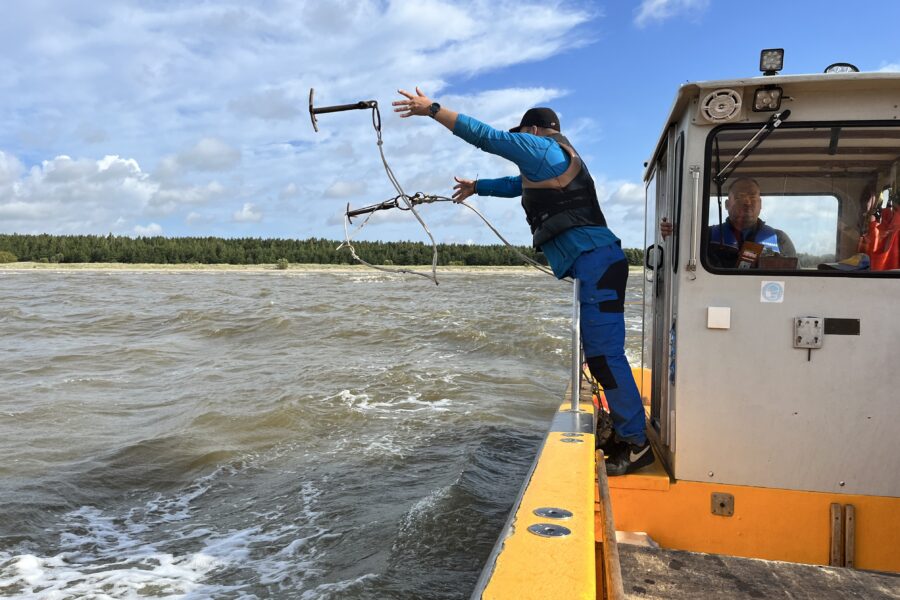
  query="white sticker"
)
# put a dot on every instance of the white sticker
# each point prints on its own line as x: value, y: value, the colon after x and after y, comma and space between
x: 771, y: 291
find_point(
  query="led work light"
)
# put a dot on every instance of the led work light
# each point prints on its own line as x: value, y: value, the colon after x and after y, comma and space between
x: 767, y: 98
x: 771, y: 60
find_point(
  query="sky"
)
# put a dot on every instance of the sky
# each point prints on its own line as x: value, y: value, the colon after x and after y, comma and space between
x: 190, y: 118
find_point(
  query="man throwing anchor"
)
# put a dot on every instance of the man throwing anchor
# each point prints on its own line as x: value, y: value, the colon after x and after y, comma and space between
x: 567, y: 225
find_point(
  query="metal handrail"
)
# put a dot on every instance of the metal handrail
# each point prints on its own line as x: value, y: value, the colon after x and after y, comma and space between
x: 695, y: 188
x: 576, y: 344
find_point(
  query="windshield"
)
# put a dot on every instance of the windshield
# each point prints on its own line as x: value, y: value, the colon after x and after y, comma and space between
x: 806, y: 199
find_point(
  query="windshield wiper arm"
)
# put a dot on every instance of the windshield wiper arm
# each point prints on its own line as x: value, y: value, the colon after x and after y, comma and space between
x: 771, y: 125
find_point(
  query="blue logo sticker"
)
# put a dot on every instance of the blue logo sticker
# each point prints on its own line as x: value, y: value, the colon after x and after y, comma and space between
x: 772, y: 291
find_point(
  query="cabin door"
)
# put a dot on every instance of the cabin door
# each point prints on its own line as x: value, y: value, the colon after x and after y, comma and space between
x: 662, y: 265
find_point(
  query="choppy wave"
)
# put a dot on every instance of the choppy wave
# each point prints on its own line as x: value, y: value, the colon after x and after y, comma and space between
x: 121, y: 554
x: 262, y: 435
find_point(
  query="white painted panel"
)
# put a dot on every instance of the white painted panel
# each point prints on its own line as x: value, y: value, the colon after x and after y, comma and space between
x: 753, y: 410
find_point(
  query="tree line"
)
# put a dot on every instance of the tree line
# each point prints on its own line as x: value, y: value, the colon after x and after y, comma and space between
x: 252, y: 251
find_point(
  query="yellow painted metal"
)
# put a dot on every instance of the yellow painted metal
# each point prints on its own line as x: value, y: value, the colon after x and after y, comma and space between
x: 774, y: 524
x: 530, y: 566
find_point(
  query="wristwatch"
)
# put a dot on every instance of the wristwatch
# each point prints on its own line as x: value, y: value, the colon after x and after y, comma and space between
x: 433, y: 109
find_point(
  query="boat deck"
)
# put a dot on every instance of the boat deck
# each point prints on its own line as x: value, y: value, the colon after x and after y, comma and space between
x: 651, y: 573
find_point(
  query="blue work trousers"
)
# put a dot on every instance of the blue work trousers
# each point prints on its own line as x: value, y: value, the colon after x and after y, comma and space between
x: 603, y: 273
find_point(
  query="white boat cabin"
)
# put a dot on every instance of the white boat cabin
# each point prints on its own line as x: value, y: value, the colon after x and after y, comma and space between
x: 775, y: 349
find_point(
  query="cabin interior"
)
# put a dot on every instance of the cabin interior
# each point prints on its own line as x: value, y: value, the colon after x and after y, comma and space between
x: 825, y: 187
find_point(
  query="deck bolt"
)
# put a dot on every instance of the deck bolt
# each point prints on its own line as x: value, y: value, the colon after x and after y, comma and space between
x: 710, y: 474
x: 841, y: 483
x: 548, y: 530
x: 550, y: 512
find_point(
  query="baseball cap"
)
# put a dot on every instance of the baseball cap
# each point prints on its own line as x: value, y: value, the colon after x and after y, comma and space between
x: 541, y: 117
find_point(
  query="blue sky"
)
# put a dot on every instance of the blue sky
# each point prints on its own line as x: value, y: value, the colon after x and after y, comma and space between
x: 184, y: 118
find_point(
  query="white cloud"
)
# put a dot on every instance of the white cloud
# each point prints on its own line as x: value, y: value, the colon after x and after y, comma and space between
x: 169, y: 199
x: 890, y: 68
x: 208, y: 154
x: 661, y: 10
x: 195, y: 218
x: 180, y: 91
x: 148, y: 231
x: 623, y: 206
x: 10, y: 168
x: 80, y: 195
x: 272, y: 105
x: 503, y: 108
x: 247, y: 214
x: 345, y: 189
x: 289, y: 191
x: 63, y: 194
x: 17, y: 210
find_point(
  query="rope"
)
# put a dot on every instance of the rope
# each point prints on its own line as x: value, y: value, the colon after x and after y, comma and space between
x: 409, y: 203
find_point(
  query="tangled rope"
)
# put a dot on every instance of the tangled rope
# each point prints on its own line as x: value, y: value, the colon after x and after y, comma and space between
x: 405, y: 202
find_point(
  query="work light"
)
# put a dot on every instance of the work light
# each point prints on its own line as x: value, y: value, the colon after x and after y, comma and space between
x: 767, y: 98
x: 771, y: 60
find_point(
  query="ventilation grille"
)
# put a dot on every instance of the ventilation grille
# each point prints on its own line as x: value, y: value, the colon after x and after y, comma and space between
x: 721, y: 106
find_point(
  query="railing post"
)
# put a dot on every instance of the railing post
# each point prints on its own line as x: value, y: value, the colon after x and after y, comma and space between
x: 576, y: 344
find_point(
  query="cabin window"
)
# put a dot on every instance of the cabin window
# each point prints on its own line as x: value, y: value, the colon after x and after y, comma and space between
x: 810, y: 199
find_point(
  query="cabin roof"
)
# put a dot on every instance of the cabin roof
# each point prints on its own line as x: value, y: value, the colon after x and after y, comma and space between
x: 818, y: 81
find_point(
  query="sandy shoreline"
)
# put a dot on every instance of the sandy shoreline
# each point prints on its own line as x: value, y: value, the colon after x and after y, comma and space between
x: 296, y: 268
x: 224, y: 268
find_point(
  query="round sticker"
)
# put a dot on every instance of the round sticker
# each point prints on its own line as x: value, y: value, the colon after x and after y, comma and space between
x: 772, y: 291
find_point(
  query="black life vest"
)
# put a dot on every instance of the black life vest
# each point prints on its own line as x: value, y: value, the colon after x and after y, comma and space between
x: 569, y: 200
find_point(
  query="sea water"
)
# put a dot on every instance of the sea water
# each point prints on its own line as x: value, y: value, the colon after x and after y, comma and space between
x: 278, y: 434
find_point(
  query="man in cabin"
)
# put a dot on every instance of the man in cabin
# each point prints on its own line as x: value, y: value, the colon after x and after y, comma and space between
x: 567, y: 225
x: 743, y: 224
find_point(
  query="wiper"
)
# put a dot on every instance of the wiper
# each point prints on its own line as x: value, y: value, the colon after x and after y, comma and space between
x: 771, y: 125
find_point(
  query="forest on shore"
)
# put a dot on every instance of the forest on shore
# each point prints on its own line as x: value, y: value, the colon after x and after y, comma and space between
x: 46, y: 248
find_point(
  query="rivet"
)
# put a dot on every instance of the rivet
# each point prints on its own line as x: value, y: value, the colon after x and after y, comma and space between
x: 841, y: 484
x: 710, y: 474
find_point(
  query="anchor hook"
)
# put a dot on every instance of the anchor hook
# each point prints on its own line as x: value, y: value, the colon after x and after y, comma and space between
x: 361, y: 105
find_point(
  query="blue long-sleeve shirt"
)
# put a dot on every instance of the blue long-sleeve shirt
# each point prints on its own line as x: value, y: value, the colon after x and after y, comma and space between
x: 538, y: 158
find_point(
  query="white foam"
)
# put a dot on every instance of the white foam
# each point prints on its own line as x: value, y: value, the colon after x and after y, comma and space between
x: 423, y: 505
x: 363, y: 402
x: 104, y: 555
x: 375, y: 278
x: 335, y: 589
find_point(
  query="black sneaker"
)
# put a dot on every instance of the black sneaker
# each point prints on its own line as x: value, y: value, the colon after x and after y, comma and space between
x: 610, y: 445
x: 627, y: 458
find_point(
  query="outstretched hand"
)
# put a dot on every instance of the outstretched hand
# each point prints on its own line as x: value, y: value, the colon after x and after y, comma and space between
x: 414, y: 105
x: 463, y: 189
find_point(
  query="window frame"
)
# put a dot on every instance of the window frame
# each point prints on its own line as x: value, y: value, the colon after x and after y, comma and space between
x: 706, y: 203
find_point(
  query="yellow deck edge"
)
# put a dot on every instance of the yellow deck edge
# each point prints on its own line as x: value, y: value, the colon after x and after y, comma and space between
x: 529, y: 566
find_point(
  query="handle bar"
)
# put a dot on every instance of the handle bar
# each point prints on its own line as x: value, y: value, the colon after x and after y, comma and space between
x: 362, y: 104
x: 393, y: 203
